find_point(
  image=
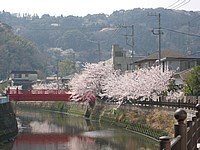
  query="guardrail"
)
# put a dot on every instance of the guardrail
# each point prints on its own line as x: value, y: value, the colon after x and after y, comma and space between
x: 168, y: 103
x: 4, y: 99
x: 186, y: 135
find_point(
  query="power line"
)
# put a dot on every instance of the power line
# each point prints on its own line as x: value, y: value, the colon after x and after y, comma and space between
x: 178, y: 4
x: 173, y: 4
x: 182, y: 4
x: 184, y: 33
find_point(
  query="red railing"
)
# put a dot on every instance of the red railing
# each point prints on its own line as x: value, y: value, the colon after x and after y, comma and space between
x: 38, y: 91
x: 46, y: 95
x: 39, y: 95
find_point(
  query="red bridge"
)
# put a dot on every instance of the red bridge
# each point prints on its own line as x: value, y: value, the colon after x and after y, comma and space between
x: 39, y: 95
x: 44, y: 95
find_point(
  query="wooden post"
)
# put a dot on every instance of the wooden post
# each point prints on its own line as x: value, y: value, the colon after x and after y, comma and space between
x: 190, y: 133
x: 198, y: 122
x: 165, y: 143
x: 181, y: 128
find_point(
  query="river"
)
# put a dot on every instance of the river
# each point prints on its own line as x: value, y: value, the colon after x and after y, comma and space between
x: 44, y: 130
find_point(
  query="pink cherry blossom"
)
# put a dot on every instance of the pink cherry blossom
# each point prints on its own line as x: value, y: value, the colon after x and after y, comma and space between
x: 101, y: 79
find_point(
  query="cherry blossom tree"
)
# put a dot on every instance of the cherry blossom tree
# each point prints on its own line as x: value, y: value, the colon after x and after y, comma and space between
x: 88, y: 83
x: 101, y: 79
x: 141, y: 83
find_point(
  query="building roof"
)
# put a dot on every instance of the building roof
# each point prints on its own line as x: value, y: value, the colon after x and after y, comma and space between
x: 179, y: 58
x: 23, y: 72
x: 164, y: 53
x: 183, y: 74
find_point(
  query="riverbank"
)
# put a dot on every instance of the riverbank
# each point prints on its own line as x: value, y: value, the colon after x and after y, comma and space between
x: 8, y: 128
x: 149, y: 121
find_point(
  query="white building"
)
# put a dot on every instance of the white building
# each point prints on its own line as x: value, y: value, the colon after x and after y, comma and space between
x: 25, y: 78
x: 120, y: 60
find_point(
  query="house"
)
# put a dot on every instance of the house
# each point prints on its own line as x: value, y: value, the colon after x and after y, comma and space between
x: 170, y: 60
x: 121, y: 60
x: 24, y: 78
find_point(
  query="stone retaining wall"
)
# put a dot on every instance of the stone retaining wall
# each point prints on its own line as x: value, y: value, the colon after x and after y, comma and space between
x: 8, y: 123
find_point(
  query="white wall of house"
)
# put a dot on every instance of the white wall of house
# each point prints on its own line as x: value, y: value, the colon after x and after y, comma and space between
x: 172, y: 65
x: 178, y: 65
x: 31, y: 77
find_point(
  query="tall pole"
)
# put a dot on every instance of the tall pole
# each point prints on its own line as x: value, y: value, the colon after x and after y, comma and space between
x: 159, y: 36
x: 99, y: 50
x: 132, y: 43
x: 132, y: 54
x: 57, y: 74
x: 159, y: 40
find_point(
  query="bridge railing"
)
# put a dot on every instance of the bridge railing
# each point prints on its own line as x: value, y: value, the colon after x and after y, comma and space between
x: 37, y: 91
x: 186, y: 134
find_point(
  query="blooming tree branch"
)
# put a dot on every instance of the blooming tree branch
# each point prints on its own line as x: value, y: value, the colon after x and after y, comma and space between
x: 101, y: 79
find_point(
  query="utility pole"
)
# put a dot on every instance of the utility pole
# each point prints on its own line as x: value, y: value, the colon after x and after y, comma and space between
x: 159, y: 35
x: 188, y: 40
x: 132, y: 42
x: 99, y: 50
x: 57, y: 71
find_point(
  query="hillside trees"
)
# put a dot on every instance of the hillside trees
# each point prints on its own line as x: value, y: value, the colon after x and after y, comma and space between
x: 81, y: 33
x: 16, y: 53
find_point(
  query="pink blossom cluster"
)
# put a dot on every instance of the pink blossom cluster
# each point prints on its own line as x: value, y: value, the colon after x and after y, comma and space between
x: 89, y: 82
x: 141, y: 83
x: 51, y: 85
x: 101, y: 79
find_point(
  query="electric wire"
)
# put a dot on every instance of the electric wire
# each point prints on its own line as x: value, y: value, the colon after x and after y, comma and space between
x: 173, y: 4
x: 181, y: 4
x: 178, y: 4
x: 184, y: 33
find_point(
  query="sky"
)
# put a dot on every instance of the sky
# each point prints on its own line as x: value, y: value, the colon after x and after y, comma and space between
x: 85, y: 7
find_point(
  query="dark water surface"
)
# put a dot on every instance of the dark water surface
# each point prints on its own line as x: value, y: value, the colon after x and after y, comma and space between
x: 42, y: 130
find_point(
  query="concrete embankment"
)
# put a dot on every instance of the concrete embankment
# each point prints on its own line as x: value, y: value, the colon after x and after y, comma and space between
x: 8, y: 123
x: 148, y: 120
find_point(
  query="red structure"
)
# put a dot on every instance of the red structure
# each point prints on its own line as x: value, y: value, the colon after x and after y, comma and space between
x: 39, y: 95
x: 49, y: 138
x: 45, y: 95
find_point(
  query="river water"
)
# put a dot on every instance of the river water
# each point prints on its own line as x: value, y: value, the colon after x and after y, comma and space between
x: 44, y: 130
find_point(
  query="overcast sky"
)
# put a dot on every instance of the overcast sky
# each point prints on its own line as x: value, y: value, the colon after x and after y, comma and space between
x: 84, y: 7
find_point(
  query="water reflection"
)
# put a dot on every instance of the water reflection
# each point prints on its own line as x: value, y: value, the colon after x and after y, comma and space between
x: 45, y: 127
x: 52, y: 131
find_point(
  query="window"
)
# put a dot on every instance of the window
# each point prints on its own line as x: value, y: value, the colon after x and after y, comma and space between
x: 26, y: 75
x: 17, y: 76
x: 119, y: 66
x: 118, y: 54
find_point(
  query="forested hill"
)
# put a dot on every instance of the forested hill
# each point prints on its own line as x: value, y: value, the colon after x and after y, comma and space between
x: 17, y: 53
x: 82, y: 34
